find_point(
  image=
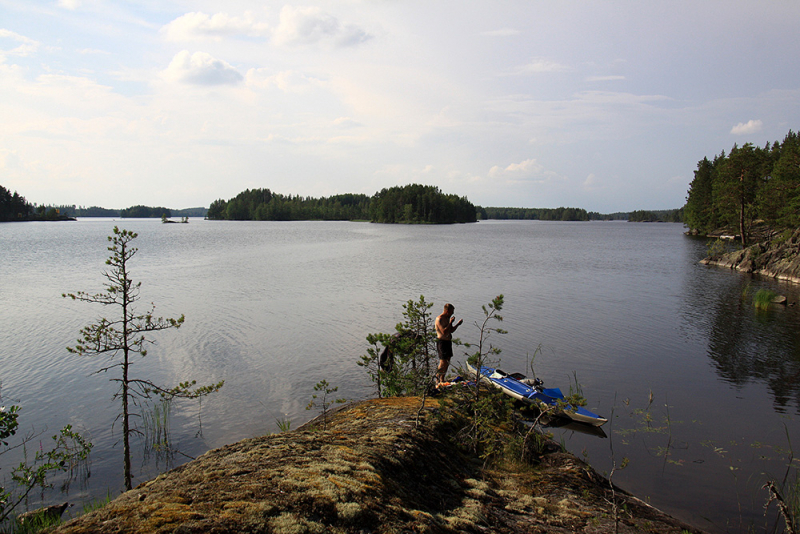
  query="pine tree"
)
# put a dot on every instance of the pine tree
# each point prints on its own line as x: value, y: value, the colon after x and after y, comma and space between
x: 123, y: 337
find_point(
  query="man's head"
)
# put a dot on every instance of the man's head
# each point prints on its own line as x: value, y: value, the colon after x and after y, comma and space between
x: 449, y: 309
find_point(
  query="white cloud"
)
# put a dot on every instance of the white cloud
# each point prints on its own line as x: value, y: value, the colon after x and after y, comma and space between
x: 201, y: 68
x: 425, y: 92
x: 307, y: 25
x: 528, y: 170
x: 748, y: 127
x: 27, y: 47
x: 591, y: 182
x: 539, y: 65
x: 72, y: 5
x: 198, y: 25
x: 526, y: 166
x: 346, y: 122
x: 604, y: 78
x: 289, y: 81
x: 93, y: 51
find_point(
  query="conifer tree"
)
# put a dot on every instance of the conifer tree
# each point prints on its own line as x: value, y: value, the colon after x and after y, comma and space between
x: 124, y: 336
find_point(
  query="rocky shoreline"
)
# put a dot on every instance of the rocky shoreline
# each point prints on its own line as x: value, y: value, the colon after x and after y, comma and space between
x: 378, y: 466
x: 777, y: 258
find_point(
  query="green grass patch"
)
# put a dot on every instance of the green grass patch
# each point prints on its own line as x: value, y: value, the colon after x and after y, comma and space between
x: 763, y: 298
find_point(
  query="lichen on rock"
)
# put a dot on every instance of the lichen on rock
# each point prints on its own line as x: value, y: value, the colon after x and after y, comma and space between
x: 373, y: 470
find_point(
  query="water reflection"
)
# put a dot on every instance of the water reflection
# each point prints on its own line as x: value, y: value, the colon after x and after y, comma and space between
x: 744, y: 348
x: 744, y: 345
x: 273, y: 308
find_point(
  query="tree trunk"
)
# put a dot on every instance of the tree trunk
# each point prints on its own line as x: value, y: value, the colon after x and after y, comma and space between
x: 126, y: 446
x: 742, y: 229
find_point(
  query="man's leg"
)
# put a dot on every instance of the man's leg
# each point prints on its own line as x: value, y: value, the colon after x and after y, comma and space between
x: 441, y: 371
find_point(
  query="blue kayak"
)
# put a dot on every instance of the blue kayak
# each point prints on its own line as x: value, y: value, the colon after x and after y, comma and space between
x: 534, y: 393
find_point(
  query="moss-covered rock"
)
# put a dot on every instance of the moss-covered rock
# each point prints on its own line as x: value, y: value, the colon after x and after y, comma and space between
x: 382, y: 466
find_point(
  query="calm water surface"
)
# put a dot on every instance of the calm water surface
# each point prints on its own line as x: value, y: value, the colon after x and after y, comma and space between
x: 273, y: 308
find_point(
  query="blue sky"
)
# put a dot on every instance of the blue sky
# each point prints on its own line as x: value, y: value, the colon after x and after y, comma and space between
x: 603, y: 105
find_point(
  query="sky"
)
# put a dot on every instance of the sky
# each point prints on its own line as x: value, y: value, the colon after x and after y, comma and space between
x: 602, y: 105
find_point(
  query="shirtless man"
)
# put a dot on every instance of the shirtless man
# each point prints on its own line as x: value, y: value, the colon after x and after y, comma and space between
x: 445, y: 326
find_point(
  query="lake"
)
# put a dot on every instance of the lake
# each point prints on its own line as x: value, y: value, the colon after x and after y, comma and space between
x: 274, y: 307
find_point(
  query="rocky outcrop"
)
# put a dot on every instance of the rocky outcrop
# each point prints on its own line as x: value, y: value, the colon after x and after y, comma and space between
x: 46, y: 515
x: 779, y: 258
x: 372, y: 469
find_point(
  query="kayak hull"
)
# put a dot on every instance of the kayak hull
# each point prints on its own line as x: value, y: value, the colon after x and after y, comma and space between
x: 536, y: 395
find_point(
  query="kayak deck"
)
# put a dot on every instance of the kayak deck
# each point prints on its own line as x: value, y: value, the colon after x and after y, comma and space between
x: 536, y: 393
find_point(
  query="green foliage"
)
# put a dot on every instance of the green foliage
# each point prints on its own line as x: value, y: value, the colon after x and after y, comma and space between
x: 284, y: 425
x: 409, y: 353
x: 390, y: 381
x: 155, y: 423
x: 417, y: 203
x: 535, y: 214
x: 490, y: 426
x: 264, y: 205
x: 124, y: 336
x: 738, y: 179
x: 69, y: 448
x: 145, y: 212
x: 35, y: 524
x: 575, y: 397
x: 483, y: 424
x: 484, y: 349
x: 763, y: 299
x: 480, y: 419
x: 716, y: 248
x: 67, y: 452
x: 324, y: 404
x: 190, y: 212
x: 747, y: 185
x: 9, y: 423
x: 643, y: 216
x: 408, y: 204
x: 96, y: 211
x: 13, y: 207
x: 97, y: 504
x: 699, y: 209
x: 217, y: 210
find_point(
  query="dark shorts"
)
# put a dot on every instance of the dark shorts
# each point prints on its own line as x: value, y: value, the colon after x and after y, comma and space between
x: 445, y: 349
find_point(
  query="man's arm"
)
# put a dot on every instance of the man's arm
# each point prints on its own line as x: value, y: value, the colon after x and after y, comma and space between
x: 445, y: 328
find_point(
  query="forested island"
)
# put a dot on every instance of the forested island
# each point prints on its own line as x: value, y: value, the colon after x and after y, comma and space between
x: 403, y: 204
x: 14, y: 207
x: 408, y: 204
x: 748, y: 186
x: 579, y: 214
x: 535, y: 214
